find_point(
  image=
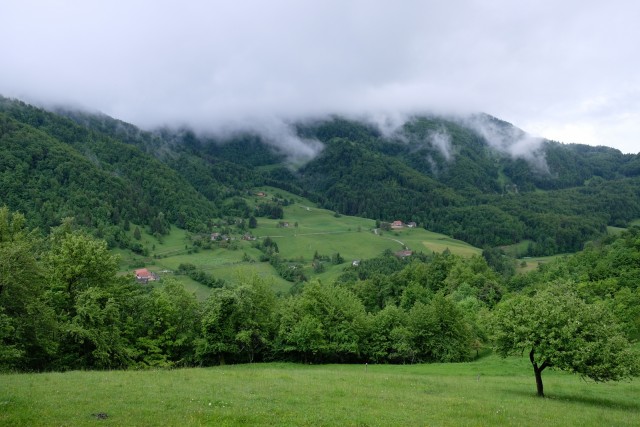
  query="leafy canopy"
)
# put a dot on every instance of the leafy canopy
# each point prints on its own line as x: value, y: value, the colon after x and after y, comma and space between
x: 558, y: 329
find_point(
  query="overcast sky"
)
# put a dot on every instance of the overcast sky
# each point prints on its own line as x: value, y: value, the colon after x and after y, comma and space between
x: 564, y: 70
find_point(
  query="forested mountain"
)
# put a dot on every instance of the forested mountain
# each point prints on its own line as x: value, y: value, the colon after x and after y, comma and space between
x: 476, y: 178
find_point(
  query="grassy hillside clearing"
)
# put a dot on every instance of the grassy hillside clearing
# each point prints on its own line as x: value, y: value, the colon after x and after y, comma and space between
x: 304, y: 230
x: 490, y: 391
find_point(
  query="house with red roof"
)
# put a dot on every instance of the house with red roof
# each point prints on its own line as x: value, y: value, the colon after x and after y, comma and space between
x: 144, y: 276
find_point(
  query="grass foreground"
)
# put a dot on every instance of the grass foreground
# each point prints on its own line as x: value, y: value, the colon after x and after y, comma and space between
x: 490, y: 391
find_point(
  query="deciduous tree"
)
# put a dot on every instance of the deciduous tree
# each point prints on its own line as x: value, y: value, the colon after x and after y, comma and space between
x: 557, y: 329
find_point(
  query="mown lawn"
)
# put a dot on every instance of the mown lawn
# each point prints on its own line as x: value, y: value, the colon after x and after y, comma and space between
x: 490, y: 391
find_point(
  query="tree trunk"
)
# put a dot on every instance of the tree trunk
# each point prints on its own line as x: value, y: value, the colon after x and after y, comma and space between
x: 539, y: 385
x: 538, y: 373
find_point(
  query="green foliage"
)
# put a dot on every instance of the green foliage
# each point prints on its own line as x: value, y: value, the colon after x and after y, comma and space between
x: 559, y: 330
x: 270, y: 210
x: 200, y: 276
x: 64, y: 169
x: 323, y: 323
x: 78, y: 262
x: 64, y: 307
x: 168, y: 328
x: 607, y: 271
x: 439, y: 331
x: 390, y: 339
x: 237, y: 324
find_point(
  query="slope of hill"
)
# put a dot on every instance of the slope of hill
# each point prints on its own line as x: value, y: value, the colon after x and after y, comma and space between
x: 53, y: 168
x: 477, y: 178
x: 475, y: 181
x: 314, y: 241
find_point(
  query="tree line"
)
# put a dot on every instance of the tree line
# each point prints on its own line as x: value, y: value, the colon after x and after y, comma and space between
x: 63, y: 306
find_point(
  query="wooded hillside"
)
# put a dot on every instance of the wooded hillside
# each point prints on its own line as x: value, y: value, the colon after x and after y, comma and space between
x: 477, y: 179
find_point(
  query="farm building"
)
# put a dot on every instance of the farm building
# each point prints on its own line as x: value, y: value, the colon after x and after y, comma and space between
x: 403, y: 254
x: 144, y: 276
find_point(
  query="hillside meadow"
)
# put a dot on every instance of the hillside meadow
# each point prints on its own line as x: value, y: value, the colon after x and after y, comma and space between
x: 489, y: 391
x: 303, y: 231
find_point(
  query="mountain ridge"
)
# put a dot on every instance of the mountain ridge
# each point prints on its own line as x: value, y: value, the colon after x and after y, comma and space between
x: 478, y: 179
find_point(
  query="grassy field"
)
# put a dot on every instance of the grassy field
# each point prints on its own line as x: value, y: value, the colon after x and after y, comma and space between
x: 614, y: 230
x: 308, y: 230
x: 490, y: 391
x: 527, y: 264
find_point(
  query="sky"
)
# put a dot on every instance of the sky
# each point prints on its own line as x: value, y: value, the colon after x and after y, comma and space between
x: 563, y: 70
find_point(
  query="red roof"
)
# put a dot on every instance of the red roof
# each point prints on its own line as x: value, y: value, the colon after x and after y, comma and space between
x: 143, y: 273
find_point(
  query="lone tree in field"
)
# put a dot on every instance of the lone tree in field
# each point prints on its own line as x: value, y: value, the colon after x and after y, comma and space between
x: 558, y: 329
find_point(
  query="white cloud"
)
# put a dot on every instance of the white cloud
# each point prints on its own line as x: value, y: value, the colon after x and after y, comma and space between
x: 510, y: 140
x: 541, y: 65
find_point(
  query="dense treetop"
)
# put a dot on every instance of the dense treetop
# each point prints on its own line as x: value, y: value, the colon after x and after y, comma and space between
x: 63, y: 306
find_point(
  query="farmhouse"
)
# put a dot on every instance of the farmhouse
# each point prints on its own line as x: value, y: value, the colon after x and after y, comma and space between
x: 144, y: 276
x: 412, y: 225
x: 397, y: 224
x: 403, y: 254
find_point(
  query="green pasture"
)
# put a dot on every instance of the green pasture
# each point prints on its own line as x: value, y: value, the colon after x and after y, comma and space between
x: 524, y: 265
x: 487, y: 392
x: 516, y: 250
x: 614, y: 230
x: 309, y: 229
x: 304, y: 230
x: 175, y: 243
